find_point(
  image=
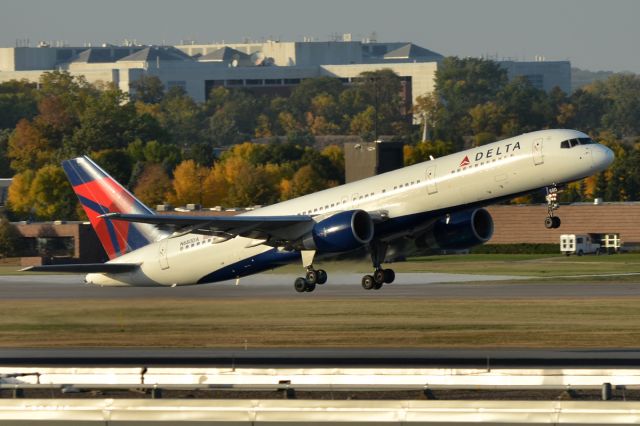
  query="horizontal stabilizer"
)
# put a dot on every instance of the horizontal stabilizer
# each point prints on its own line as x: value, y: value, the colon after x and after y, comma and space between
x: 87, y: 268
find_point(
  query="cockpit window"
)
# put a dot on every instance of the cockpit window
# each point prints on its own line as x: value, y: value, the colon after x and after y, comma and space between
x: 570, y: 143
x: 586, y: 141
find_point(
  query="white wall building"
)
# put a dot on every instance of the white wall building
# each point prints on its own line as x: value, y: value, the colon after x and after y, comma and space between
x: 269, y: 66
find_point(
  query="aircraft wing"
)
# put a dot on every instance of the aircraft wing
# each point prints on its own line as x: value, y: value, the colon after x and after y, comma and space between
x: 87, y: 268
x: 282, y: 228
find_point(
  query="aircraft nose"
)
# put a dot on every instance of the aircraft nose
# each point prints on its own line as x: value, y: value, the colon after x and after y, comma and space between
x: 602, y: 157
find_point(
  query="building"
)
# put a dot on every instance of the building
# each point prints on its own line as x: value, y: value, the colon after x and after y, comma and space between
x: 515, y: 224
x: 265, y: 67
x: 60, y: 242
x: 366, y: 159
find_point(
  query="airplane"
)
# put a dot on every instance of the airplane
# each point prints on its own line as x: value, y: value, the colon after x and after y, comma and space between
x: 437, y: 203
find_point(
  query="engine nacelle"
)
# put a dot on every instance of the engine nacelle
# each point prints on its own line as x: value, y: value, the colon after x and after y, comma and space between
x: 343, y: 231
x: 463, y: 230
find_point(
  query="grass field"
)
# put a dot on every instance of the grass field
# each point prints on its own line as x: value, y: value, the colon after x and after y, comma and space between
x: 317, y: 322
x: 322, y: 323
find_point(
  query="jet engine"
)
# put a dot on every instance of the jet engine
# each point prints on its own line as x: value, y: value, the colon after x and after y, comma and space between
x: 460, y: 231
x: 340, y: 232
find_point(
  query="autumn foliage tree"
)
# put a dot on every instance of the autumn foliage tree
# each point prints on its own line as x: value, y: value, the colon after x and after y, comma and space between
x: 154, y: 185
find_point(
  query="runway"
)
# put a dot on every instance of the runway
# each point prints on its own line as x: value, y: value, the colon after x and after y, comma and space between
x: 340, y: 285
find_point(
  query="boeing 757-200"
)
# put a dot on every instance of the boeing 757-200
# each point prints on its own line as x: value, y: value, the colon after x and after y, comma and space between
x: 436, y: 203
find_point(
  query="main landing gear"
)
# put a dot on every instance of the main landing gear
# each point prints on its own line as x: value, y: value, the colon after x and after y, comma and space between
x: 380, y: 276
x: 551, y: 221
x: 312, y: 277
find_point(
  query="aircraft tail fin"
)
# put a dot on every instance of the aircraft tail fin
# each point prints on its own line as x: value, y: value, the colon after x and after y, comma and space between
x: 99, y: 194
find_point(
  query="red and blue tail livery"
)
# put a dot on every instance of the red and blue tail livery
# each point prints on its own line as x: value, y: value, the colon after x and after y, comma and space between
x: 100, y: 194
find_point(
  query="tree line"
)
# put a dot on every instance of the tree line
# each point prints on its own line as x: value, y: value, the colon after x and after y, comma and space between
x: 164, y: 146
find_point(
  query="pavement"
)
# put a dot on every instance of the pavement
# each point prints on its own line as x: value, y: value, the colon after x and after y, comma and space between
x: 340, y: 285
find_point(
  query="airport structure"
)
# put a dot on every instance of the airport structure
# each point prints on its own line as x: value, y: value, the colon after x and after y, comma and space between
x: 60, y: 242
x: 268, y: 67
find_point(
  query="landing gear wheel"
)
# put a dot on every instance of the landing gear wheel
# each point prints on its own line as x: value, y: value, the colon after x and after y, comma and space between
x: 377, y: 286
x: 300, y: 284
x: 367, y: 282
x: 310, y: 287
x: 321, y: 276
x: 389, y: 276
x: 378, y: 276
x: 552, y: 222
x: 312, y: 276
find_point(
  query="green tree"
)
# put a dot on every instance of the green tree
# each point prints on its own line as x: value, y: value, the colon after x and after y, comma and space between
x: 17, y: 101
x: 525, y: 108
x: 461, y: 84
x: 305, y: 181
x: 303, y: 95
x: 148, y: 89
x: 623, y: 114
x: 182, y: 117
x: 5, y: 162
x: 116, y: 162
x: 9, y: 238
x: 381, y: 90
x: 51, y: 194
x: 363, y: 123
x: 105, y: 123
x: 584, y: 110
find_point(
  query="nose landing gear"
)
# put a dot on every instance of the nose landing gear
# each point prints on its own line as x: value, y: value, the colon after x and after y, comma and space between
x: 551, y: 221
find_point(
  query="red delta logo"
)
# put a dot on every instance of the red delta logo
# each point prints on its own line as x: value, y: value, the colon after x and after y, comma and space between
x: 465, y: 161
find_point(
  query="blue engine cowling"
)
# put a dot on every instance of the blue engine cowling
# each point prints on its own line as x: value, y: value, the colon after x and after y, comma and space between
x: 343, y: 231
x: 463, y: 230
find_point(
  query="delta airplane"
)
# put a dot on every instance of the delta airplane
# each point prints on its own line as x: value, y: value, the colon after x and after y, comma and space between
x: 436, y: 203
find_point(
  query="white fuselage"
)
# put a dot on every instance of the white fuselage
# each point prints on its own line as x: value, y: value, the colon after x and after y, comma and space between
x: 474, y: 177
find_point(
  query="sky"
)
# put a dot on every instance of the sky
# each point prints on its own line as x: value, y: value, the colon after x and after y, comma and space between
x: 592, y: 34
